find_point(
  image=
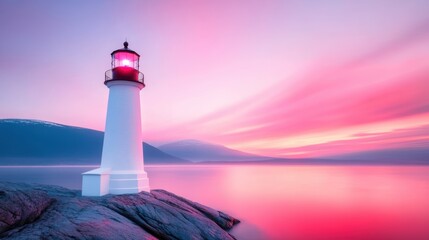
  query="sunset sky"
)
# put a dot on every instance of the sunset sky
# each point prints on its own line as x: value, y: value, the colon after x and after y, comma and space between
x: 279, y: 78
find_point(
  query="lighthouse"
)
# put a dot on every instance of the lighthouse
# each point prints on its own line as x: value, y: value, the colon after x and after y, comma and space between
x: 122, y: 165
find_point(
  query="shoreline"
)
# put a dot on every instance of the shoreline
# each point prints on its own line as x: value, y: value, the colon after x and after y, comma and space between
x: 49, y: 211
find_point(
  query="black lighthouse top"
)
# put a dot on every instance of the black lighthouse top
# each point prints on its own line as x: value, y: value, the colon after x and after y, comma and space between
x: 125, y: 65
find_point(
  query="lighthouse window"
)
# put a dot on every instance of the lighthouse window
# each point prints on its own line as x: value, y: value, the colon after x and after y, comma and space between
x: 125, y: 59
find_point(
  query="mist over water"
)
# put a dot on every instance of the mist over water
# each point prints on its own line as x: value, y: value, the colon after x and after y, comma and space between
x: 288, y: 202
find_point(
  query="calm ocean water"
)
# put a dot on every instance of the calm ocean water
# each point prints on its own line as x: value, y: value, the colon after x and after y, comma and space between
x: 288, y: 202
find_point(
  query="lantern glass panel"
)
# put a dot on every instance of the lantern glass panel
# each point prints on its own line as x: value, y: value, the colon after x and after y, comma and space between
x: 125, y: 59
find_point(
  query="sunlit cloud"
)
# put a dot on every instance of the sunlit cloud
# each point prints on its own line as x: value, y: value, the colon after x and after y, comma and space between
x: 365, y: 97
x: 397, y: 139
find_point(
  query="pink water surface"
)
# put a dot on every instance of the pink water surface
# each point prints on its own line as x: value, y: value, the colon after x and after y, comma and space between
x: 309, y: 202
x: 288, y: 202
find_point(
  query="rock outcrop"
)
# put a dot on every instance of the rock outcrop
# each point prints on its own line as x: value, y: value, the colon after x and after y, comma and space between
x: 32, y: 211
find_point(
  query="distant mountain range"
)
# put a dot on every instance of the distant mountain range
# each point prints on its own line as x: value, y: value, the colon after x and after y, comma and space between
x: 34, y: 142
x: 390, y: 156
x: 198, y: 151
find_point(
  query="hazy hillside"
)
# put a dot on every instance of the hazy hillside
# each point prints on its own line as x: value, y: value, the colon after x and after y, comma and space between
x: 401, y: 155
x: 33, y: 142
x: 198, y: 151
x: 43, y: 143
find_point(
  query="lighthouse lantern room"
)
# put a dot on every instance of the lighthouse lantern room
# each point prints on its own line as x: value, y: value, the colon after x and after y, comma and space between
x: 125, y: 65
x: 121, y: 170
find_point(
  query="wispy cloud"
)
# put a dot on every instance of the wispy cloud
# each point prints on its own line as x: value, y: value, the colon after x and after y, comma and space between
x: 417, y: 137
x: 386, y: 84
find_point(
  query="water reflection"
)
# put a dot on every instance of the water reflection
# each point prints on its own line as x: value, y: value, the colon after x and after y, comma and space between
x: 293, y: 202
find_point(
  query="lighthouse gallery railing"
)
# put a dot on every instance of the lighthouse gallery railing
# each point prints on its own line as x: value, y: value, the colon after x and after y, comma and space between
x: 109, y: 77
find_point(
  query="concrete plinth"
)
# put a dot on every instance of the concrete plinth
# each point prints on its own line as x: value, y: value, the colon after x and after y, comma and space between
x: 99, y: 182
x: 95, y: 182
x: 122, y: 182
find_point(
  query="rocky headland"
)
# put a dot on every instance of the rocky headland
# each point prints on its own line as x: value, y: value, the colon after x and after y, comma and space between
x: 33, y: 211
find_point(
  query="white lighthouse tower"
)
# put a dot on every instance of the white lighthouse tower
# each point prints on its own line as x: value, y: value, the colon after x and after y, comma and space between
x: 122, y: 169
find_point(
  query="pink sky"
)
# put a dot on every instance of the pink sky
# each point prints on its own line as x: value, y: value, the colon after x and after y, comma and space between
x: 280, y: 78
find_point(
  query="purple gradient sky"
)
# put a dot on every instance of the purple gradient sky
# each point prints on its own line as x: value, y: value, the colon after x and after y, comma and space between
x: 271, y: 77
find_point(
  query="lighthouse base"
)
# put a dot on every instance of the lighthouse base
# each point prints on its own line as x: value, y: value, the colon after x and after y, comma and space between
x: 102, y: 181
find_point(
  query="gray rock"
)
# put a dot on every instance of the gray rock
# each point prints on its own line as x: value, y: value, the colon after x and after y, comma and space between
x: 220, y: 218
x: 19, y: 206
x: 31, y: 211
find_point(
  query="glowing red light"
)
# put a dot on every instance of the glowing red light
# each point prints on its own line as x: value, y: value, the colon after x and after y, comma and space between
x: 126, y: 62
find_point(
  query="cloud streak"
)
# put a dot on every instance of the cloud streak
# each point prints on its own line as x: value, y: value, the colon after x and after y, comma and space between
x: 386, y: 84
